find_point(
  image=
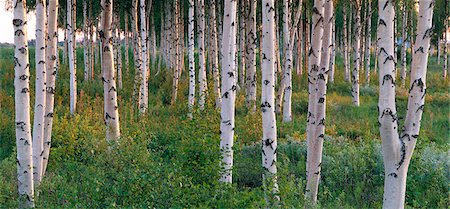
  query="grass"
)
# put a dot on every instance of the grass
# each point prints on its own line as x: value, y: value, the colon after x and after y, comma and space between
x: 164, y: 160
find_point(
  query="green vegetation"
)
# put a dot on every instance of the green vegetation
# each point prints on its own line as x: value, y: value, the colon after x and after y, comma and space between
x: 164, y: 160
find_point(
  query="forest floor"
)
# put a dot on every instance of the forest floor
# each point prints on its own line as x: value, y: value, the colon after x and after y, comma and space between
x: 165, y: 160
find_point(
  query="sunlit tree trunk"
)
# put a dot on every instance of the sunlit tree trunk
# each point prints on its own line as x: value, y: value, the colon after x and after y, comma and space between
x: 215, y: 54
x: 314, y: 152
x: 22, y: 107
x: 111, y: 116
x: 242, y: 41
x: 201, y: 53
x: 228, y: 90
x: 300, y: 44
x: 191, y: 43
x: 333, y: 50
x: 398, y: 146
x: 85, y: 42
x: 269, y: 140
x: 368, y: 40
x: 346, y: 46
x: 176, y: 51
x: 143, y: 97
x: 356, y: 52
x: 51, y: 70
x: 71, y: 27
x: 136, y: 52
x: 251, y: 56
x: 39, y: 104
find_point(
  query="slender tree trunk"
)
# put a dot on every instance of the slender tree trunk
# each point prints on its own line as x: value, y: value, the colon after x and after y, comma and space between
x: 85, y: 41
x: 191, y: 44
x: 119, y: 52
x: 39, y: 104
x: 251, y: 57
x: 22, y: 107
x: 242, y: 41
x: 444, y: 73
x: 91, y: 42
x: 300, y: 44
x: 333, y: 51
x: 398, y: 147
x: 71, y: 27
x: 176, y: 52
x: 127, y: 56
x: 136, y: 52
x: 346, y: 47
x: 143, y: 97
x: 228, y: 90
x: 109, y: 78
x: 313, y: 156
x: 438, y: 49
x: 368, y: 40
x: 356, y: 52
x: 215, y: 55
x: 201, y: 53
x: 51, y: 70
x: 403, y: 52
x: 66, y: 43
x: 269, y: 140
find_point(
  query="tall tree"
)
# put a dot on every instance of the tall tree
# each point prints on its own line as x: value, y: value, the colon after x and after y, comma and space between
x: 314, y: 154
x: 346, y: 46
x: 191, y: 43
x: 52, y: 68
x: 356, y: 51
x: 215, y: 54
x: 111, y: 115
x: 242, y: 41
x: 251, y: 56
x: 175, y: 50
x: 22, y: 107
x: 71, y: 33
x: 368, y: 40
x: 228, y: 90
x: 143, y: 97
x: 201, y: 53
x: 398, y: 147
x: 39, y: 104
x: 269, y: 140
x: 403, y: 49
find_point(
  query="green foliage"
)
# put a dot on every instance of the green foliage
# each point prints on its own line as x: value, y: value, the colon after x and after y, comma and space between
x: 164, y: 160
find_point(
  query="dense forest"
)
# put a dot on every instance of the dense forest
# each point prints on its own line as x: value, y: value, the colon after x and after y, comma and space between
x: 226, y: 104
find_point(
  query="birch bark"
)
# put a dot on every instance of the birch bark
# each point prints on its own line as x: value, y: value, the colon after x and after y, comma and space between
x: 191, y: 99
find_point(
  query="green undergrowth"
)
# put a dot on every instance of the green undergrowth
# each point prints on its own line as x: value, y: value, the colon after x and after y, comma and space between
x: 165, y: 160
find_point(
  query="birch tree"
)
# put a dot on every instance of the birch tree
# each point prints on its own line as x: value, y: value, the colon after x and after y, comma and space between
x: 191, y: 99
x: 175, y: 52
x: 346, y: 43
x: 71, y: 25
x: 242, y: 41
x: 51, y: 70
x: 251, y: 56
x: 314, y: 154
x: 398, y: 146
x: 143, y: 97
x: 403, y: 52
x: 228, y: 90
x: 269, y: 140
x: 201, y: 53
x: 22, y: 107
x: 368, y: 40
x: 215, y: 54
x: 39, y: 104
x: 85, y: 41
x: 111, y: 115
x: 356, y: 51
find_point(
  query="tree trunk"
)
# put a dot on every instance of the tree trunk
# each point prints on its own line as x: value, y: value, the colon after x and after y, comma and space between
x: 85, y: 42
x: 136, y: 52
x: 39, y: 104
x: 397, y: 148
x: 71, y: 27
x: 176, y: 53
x: 333, y: 51
x: 51, y: 68
x: 119, y: 51
x: 109, y: 78
x: 403, y: 52
x: 444, y: 73
x: 438, y: 49
x: 228, y: 90
x: 127, y: 56
x: 251, y: 56
x: 356, y: 52
x: 215, y: 55
x: 269, y: 140
x: 346, y: 47
x: 242, y: 40
x: 300, y: 44
x: 314, y: 154
x: 368, y: 40
x: 22, y: 107
x: 143, y: 97
x: 201, y: 53
x: 191, y: 44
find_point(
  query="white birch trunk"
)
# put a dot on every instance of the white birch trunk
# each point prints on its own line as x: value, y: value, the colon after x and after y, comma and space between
x: 242, y: 37
x: 346, y: 46
x: 191, y: 44
x: 176, y: 52
x: 85, y: 42
x: 397, y: 148
x: 109, y: 78
x: 51, y: 68
x: 39, y: 104
x: 119, y: 51
x: 368, y: 41
x: 333, y: 51
x: 356, y: 52
x: 269, y: 140
x: 143, y: 97
x: 201, y: 53
x: 313, y: 157
x: 251, y: 57
x: 446, y: 26
x: 228, y: 90
x: 22, y: 107
x: 127, y: 56
x: 403, y: 52
x: 71, y: 26
x: 215, y: 54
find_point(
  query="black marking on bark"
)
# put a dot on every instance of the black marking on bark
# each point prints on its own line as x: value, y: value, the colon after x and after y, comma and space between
x: 419, y: 49
x: 25, y: 90
x: 393, y: 174
x: 388, y: 77
x: 23, y: 77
